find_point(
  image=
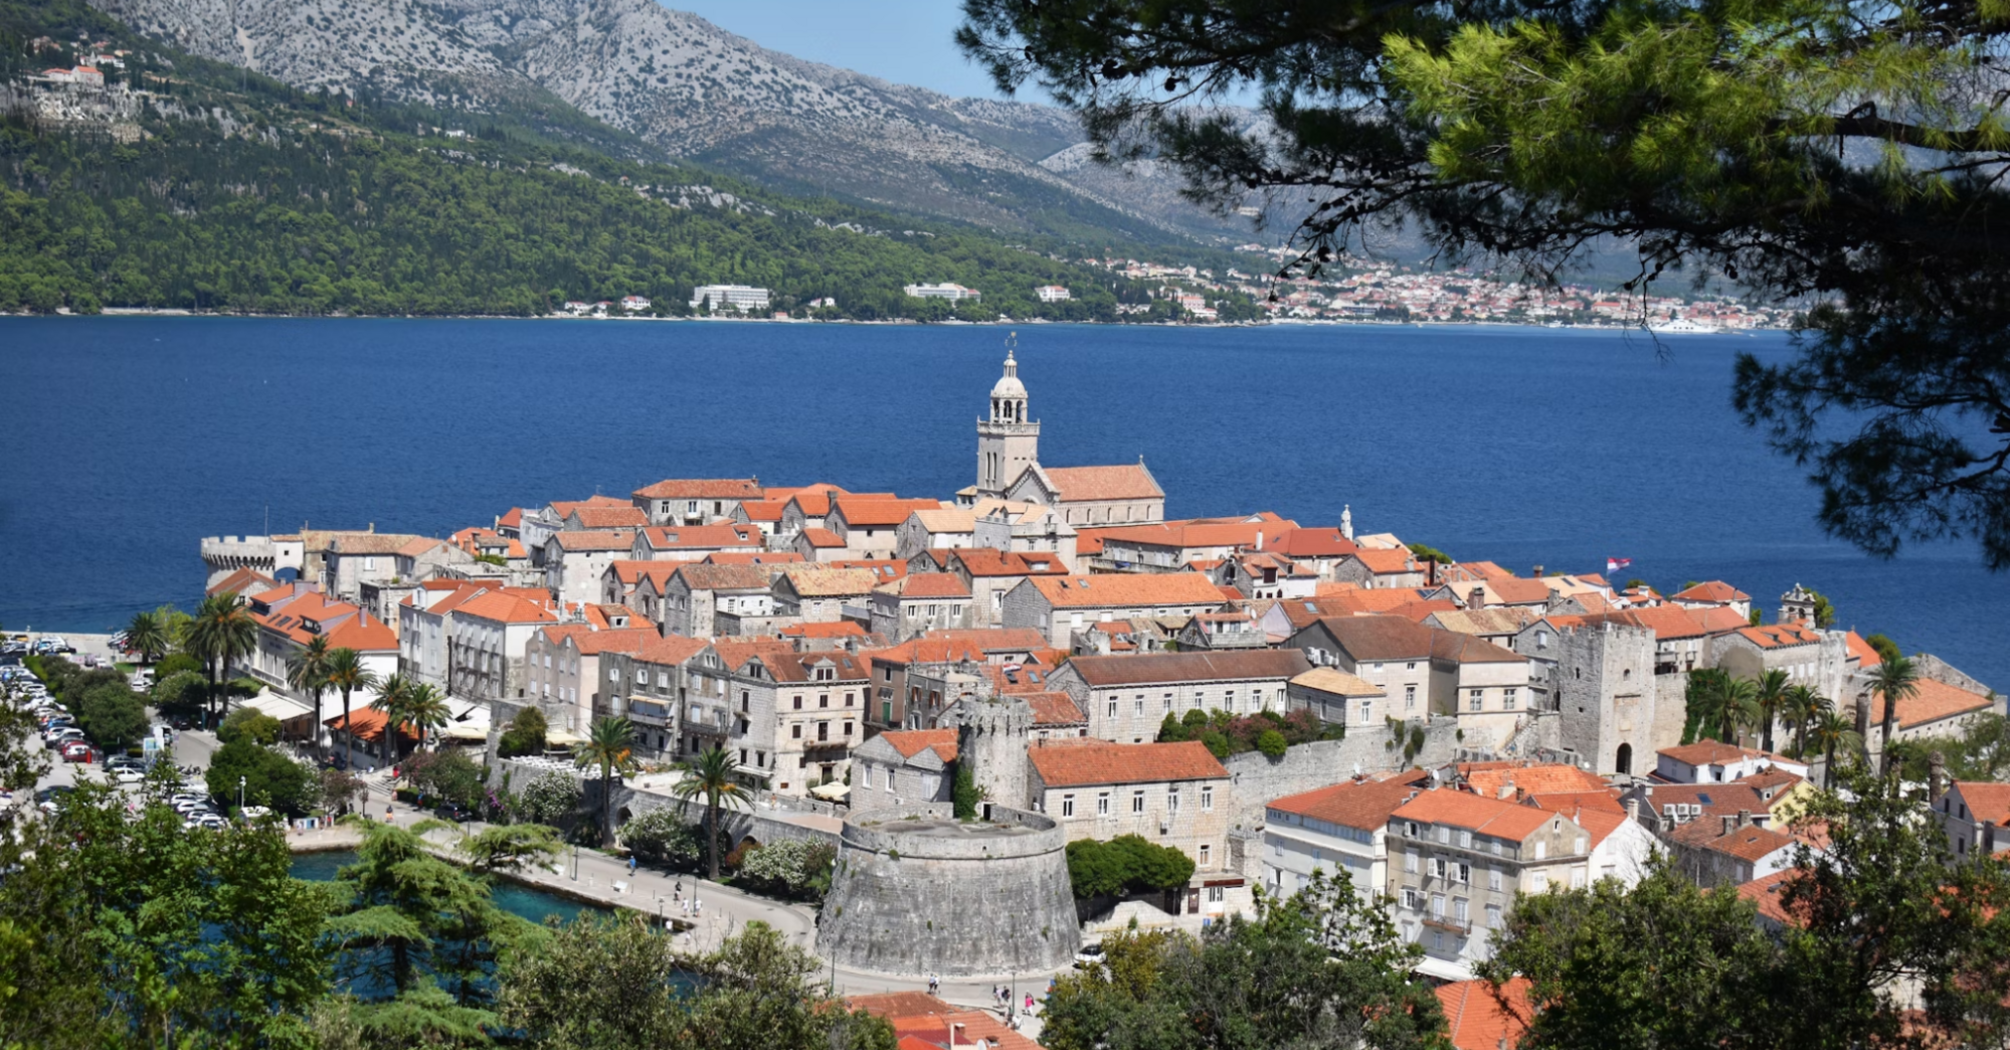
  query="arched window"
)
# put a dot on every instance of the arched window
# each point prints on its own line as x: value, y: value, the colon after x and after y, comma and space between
x: 1623, y: 761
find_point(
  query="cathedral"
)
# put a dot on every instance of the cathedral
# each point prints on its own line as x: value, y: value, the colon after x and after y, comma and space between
x: 1008, y: 468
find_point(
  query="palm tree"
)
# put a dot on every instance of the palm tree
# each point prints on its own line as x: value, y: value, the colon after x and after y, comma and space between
x: 307, y: 672
x: 222, y: 631
x: 712, y: 775
x: 393, y: 695
x: 1729, y: 703
x: 1803, y: 706
x: 1832, y: 731
x: 1771, y: 697
x: 347, y: 673
x: 147, y: 635
x: 1893, y: 681
x: 611, y: 746
x: 426, y: 710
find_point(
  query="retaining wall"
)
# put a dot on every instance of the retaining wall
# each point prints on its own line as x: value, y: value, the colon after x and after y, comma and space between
x: 1260, y: 779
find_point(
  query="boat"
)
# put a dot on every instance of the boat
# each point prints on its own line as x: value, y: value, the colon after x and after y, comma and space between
x: 1682, y: 326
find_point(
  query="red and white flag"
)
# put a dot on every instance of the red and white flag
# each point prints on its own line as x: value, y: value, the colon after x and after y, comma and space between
x: 1616, y: 564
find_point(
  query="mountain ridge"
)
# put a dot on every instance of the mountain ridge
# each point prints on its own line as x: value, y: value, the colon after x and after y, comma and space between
x: 702, y: 94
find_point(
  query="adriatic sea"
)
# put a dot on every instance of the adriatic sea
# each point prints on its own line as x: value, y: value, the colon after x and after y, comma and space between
x: 125, y: 440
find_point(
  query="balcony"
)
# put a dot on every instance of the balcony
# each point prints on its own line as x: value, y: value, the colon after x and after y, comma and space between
x: 1440, y: 922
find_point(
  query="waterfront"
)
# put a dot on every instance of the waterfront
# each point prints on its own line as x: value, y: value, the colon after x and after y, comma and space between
x: 131, y: 438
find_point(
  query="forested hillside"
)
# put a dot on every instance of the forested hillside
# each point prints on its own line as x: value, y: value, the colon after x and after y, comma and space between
x: 223, y: 190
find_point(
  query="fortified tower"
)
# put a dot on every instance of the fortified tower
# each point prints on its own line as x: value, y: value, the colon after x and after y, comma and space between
x: 992, y: 735
x: 1008, y: 442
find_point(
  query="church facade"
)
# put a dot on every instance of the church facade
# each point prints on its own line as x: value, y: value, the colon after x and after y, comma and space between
x: 1009, y: 468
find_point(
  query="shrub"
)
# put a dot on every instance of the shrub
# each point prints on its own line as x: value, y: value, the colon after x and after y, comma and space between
x: 448, y: 775
x: 791, y: 866
x: 1195, y: 721
x: 180, y: 693
x: 1217, y: 743
x: 110, y: 713
x: 337, y: 789
x: 964, y: 794
x: 525, y: 735
x: 175, y: 664
x: 270, y: 778
x: 660, y: 836
x: 1126, y: 864
x: 1271, y: 743
x: 552, y: 798
x: 1172, y: 730
x: 248, y: 723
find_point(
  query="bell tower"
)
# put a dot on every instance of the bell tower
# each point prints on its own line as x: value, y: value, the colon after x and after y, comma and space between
x: 1008, y: 442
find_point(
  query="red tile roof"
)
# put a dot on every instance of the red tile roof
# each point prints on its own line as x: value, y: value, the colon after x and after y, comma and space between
x: 880, y: 513
x: 840, y: 629
x: 1313, y: 543
x: 1099, y: 762
x: 623, y: 517
x: 1986, y: 800
x: 1780, y: 635
x: 670, y: 649
x: 505, y: 608
x: 1389, y: 562
x: 712, y: 576
x: 1712, y: 591
x: 753, y: 558
x: 1933, y: 701
x: 365, y: 634
x: 698, y: 537
x: 1111, y: 590
x: 615, y: 640
x: 1766, y: 893
x: 986, y: 561
x: 703, y: 488
x: 1054, y: 709
x: 1749, y: 843
x: 1504, y: 820
x: 1361, y: 804
x: 1866, y: 656
x: 1154, y: 668
x: 821, y: 537
x: 927, y: 585
x: 911, y: 742
x: 1380, y: 638
x: 1083, y: 484
x: 1532, y: 780
x: 1477, y: 1017
x: 594, y: 541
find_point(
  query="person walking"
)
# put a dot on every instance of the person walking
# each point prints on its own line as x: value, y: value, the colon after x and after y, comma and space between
x: 934, y: 984
x: 631, y: 865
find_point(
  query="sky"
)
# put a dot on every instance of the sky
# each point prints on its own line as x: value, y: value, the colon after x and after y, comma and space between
x: 905, y: 41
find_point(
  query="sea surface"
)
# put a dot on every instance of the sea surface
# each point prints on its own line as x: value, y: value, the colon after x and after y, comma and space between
x: 124, y: 440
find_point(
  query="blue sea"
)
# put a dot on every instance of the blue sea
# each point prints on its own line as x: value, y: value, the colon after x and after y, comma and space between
x: 125, y: 440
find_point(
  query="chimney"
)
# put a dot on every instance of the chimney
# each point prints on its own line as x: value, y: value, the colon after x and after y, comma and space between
x: 952, y: 1035
x: 1259, y: 539
x: 1633, y: 809
x: 1538, y: 572
x: 1936, y: 776
x: 1730, y: 823
x: 1744, y: 818
x: 1506, y: 791
x: 1476, y: 598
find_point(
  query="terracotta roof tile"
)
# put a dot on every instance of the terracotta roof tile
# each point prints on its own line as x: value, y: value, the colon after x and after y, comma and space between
x: 1933, y: 701
x: 1712, y: 591
x: 812, y: 580
x: 1780, y: 635
x: 1054, y: 709
x: 1750, y: 842
x: 1084, y: 484
x: 1504, y: 820
x: 1363, y: 804
x: 1533, y: 780
x: 594, y: 541
x: 709, y: 576
x: 926, y: 585
x: 987, y: 561
x: 911, y: 742
x: 1476, y: 1018
x: 821, y: 537
x: 1100, y: 762
x: 670, y: 650
x: 839, y: 629
x: 610, y: 517
x: 1765, y: 893
x: 365, y: 634
x: 700, y: 537
x: 1154, y: 668
x: 857, y: 511
x: 1380, y: 638
x: 1866, y: 656
x: 1111, y: 590
x: 703, y: 488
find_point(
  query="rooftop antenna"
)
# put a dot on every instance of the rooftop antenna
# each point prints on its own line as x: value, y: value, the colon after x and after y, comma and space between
x: 1011, y: 340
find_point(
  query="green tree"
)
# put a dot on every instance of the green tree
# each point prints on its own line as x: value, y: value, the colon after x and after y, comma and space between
x: 347, y: 673
x: 1887, y: 650
x: 1424, y: 552
x: 1831, y: 732
x: 269, y: 778
x: 1811, y: 151
x: 963, y: 793
x: 1892, y: 682
x: 426, y: 711
x: 711, y: 776
x: 610, y: 745
x: 1321, y: 968
x: 509, y: 847
x: 307, y: 672
x: 1769, y: 698
x: 147, y: 635
x: 525, y: 735
x: 661, y: 836
x: 761, y: 992
x: 1272, y: 743
x: 1803, y: 706
x: 1172, y: 730
x: 1127, y: 864
x: 112, y: 715
x: 180, y: 694
x: 221, y: 632
x: 1980, y: 752
x: 551, y: 798
x: 248, y: 723
x: 627, y: 1004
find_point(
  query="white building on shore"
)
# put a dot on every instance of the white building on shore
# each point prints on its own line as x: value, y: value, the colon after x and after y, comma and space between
x: 947, y: 290
x: 741, y: 297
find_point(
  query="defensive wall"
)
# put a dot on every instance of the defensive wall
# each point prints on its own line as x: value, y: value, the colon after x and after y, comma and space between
x: 1258, y: 778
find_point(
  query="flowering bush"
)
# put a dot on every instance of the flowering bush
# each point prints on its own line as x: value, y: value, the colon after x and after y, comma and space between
x: 549, y: 799
x: 791, y: 866
x: 660, y: 836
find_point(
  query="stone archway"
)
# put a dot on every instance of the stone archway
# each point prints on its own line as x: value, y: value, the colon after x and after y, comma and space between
x: 1623, y: 760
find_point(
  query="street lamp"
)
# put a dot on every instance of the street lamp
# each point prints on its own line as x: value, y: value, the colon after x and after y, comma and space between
x: 240, y: 798
x: 575, y: 862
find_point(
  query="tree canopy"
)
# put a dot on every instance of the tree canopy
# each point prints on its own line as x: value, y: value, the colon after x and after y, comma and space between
x: 1838, y: 154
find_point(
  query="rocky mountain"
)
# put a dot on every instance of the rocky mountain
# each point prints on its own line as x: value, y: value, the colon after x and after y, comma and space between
x: 703, y: 94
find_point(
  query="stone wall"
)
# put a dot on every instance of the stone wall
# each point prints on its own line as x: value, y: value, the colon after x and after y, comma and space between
x: 916, y: 893
x: 1931, y: 666
x: 1259, y: 779
x: 763, y: 823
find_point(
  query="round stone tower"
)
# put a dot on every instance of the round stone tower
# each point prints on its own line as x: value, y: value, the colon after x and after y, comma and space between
x: 917, y: 891
x: 992, y: 734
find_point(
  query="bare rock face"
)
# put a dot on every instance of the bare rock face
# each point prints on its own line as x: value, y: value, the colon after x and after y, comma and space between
x: 695, y: 91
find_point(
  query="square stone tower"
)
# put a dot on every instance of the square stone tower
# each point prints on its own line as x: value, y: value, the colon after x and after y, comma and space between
x: 1008, y: 442
x: 1606, y: 696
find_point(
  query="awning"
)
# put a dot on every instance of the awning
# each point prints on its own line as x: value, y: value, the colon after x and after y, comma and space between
x: 466, y: 731
x: 832, y: 792
x: 1443, y: 970
x: 284, y: 708
x: 562, y: 738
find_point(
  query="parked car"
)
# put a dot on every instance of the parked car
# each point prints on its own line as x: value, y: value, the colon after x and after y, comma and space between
x: 1089, y: 957
x: 454, y: 811
x: 128, y: 775
x: 78, y: 752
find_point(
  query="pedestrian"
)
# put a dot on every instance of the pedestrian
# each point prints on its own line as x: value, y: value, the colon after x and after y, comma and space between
x: 934, y: 984
x: 698, y: 908
x: 631, y: 865
x: 1029, y: 1002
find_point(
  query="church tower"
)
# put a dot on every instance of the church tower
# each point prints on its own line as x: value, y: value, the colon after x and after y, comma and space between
x: 1008, y: 442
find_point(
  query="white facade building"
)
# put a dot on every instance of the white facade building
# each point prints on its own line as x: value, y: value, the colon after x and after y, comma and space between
x: 741, y: 297
x: 946, y: 290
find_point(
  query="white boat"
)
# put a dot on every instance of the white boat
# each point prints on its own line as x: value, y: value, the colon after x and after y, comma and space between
x: 1682, y: 326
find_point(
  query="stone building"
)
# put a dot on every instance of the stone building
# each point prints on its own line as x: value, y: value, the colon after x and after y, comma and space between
x: 916, y: 604
x: 535, y: 527
x: 1062, y: 605
x: 1338, y: 698
x: 1334, y: 830
x: 1008, y: 467
x: 695, y: 501
x: 574, y: 562
x: 822, y: 594
x: 353, y: 559
x: 990, y: 574
x: 1173, y: 794
x: 902, y: 766
x: 1604, y: 692
x: 798, y: 716
x: 695, y: 593
x: 650, y: 688
x: 1456, y: 862
x: 1975, y: 816
x: 1126, y: 698
x: 562, y: 670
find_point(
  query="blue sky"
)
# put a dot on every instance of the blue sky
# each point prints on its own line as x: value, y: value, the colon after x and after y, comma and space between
x: 905, y: 41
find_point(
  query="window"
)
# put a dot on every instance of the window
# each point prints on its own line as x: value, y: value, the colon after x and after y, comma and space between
x: 1509, y: 700
x: 1410, y: 863
x: 1493, y: 917
x: 1113, y: 709
x: 1172, y: 801
x: 1137, y: 802
x: 1277, y: 847
x: 1207, y: 799
x: 823, y: 699
x: 796, y: 731
x: 1206, y: 855
x: 1367, y: 711
x: 1410, y: 900
x: 1437, y: 867
x: 849, y: 699
x: 1102, y: 804
x: 614, y: 674
x: 1465, y: 839
x: 1444, y: 834
x: 1461, y: 872
x: 847, y: 727
x: 1541, y: 849
x: 1494, y: 879
x: 1438, y: 906
x: 823, y: 730
x: 1409, y: 698
x: 1476, y: 700
x: 1214, y: 893
x: 1139, y: 707
x: 799, y: 701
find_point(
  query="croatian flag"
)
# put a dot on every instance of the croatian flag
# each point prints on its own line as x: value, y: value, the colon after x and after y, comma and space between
x: 1616, y: 564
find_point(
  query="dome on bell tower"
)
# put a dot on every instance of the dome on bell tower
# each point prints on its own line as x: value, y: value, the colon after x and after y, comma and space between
x: 1008, y: 385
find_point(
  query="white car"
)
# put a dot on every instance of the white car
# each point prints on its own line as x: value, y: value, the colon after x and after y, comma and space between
x: 129, y: 775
